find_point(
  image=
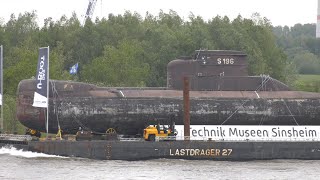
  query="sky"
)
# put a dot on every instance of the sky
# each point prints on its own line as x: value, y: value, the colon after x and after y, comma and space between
x: 279, y: 12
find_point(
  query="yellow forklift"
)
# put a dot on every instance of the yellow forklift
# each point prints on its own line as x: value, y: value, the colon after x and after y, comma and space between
x: 33, y: 132
x: 159, y: 130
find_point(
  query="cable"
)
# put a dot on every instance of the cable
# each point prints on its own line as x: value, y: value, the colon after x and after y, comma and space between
x: 55, y: 95
x: 275, y: 85
x: 264, y: 81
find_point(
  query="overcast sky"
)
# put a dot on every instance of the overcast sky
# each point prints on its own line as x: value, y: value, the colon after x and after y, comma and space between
x: 279, y: 12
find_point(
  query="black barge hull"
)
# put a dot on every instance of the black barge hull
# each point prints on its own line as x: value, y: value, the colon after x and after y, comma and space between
x: 192, y: 150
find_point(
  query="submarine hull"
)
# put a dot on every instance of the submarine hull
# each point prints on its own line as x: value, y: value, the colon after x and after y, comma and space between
x: 130, y: 110
x: 221, y: 93
x: 191, y: 150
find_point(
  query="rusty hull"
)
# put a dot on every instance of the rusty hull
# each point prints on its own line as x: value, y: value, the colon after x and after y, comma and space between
x: 129, y: 110
x: 221, y: 92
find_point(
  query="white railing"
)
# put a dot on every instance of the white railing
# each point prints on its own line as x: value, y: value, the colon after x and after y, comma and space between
x: 183, y: 138
x: 131, y: 139
x: 167, y: 138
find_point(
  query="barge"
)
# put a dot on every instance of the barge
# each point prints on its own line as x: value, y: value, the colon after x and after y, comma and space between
x: 138, y: 149
x: 221, y: 93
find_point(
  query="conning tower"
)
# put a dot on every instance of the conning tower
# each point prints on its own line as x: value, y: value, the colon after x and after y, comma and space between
x: 218, y: 70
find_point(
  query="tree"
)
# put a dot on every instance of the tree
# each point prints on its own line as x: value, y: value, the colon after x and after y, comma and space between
x: 119, y: 66
x: 307, y: 63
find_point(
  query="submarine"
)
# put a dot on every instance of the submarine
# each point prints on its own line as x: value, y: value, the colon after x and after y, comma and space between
x: 221, y: 93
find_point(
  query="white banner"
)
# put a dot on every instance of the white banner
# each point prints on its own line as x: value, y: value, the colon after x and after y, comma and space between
x: 39, y: 100
x: 252, y: 133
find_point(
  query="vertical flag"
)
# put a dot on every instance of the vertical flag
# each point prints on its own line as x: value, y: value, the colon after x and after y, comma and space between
x: 1, y: 73
x: 1, y: 86
x: 74, y: 69
x: 42, y: 79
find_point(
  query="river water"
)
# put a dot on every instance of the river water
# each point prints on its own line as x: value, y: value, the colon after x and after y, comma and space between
x: 16, y: 164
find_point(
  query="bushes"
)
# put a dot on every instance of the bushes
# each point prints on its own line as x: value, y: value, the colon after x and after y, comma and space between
x: 11, y: 124
x: 309, y: 83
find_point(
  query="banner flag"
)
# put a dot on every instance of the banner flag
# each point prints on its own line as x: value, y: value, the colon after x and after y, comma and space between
x: 74, y: 69
x: 40, y: 96
x: 1, y: 73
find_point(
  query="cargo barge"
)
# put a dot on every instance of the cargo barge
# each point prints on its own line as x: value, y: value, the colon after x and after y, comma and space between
x: 221, y: 93
x: 191, y: 150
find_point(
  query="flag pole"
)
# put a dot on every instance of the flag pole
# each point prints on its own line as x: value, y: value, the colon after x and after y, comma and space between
x: 48, y: 95
x: 1, y: 64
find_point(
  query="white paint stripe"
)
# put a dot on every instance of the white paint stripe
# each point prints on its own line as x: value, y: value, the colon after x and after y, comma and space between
x: 257, y: 94
x: 121, y: 93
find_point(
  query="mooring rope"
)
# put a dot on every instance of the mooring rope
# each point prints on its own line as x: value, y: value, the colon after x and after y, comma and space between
x: 275, y: 85
x: 264, y: 81
x: 55, y: 95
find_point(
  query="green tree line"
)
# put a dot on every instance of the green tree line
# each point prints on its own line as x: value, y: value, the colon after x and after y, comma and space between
x: 301, y: 46
x: 131, y: 50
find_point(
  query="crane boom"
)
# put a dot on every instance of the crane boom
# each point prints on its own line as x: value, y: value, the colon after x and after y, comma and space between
x: 90, y: 9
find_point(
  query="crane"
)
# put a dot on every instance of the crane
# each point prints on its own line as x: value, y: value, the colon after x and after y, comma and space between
x: 90, y: 9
